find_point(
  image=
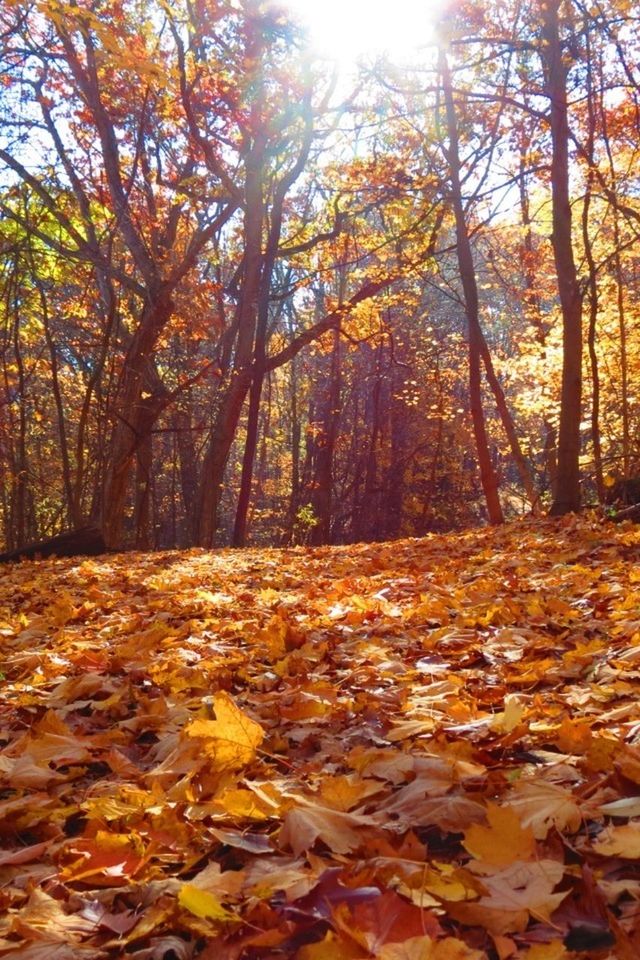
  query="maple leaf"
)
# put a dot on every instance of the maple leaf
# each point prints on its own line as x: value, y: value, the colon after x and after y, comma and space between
x: 625, y: 807
x: 619, y: 841
x: 547, y: 951
x: 513, y: 895
x: 413, y: 805
x: 344, y: 792
x: 446, y: 882
x: 23, y: 854
x: 231, y: 740
x: 271, y: 874
x: 333, y: 947
x: 541, y: 806
x: 44, y: 917
x: 503, y: 841
x: 385, y: 919
x: 425, y: 948
x: 24, y: 771
x: 226, y: 884
x: 510, y: 717
x: 45, y: 949
x: 202, y: 903
x: 303, y: 825
x: 108, y: 858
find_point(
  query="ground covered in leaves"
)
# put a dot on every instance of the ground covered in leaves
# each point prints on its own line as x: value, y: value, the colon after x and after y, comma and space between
x: 424, y: 750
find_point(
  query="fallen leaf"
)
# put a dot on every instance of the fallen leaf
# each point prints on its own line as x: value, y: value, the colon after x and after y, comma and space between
x: 424, y: 948
x: 541, y: 806
x: 502, y: 841
x: 302, y: 826
x: 202, y: 903
x: 622, y: 841
x: 231, y: 740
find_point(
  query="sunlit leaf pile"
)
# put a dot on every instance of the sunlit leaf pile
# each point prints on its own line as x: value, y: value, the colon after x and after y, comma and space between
x: 423, y: 750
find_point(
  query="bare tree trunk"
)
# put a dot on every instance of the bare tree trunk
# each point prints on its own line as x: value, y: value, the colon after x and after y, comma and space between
x: 592, y: 285
x: 217, y: 455
x: 141, y: 509
x: 20, y: 473
x: 72, y: 505
x: 470, y: 289
x: 534, y: 314
x: 567, y: 497
x: 250, y: 446
x: 365, y: 512
x: 394, y: 480
x: 296, y: 436
x: 322, y: 483
x: 132, y: 423
x: 622, y: 323
x: 240, y: 378
x: 188, y: 472
x: 509, y: 426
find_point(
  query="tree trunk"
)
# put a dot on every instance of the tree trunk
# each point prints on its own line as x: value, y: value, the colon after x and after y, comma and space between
x: 251, y: 299
x: 365, y: 512
x: 322, y: 483
x: 509, y: 426
x: 533, y: 310
x: 132, y: 423
x: 87, y: 541
x: 296, y: 436
x: 488, y: 476
x: 395, y: 474
x: 567, y: 497
x: 141, y: 511
x: 72, y: 505
x: 592, y: 284
x: 617, y: 272
x: 215, y: 461
x: 188, y: 472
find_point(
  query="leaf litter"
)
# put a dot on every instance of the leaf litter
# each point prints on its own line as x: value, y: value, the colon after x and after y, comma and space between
x: 422, y: 750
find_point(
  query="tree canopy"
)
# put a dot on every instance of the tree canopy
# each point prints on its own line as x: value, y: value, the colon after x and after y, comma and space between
x: 243, y: 302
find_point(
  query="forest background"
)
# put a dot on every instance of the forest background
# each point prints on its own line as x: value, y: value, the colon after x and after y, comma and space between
x: 240, y: 301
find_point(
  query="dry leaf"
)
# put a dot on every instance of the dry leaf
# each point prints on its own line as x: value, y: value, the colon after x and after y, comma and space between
x: 231, y: 740
x: 503, y: 841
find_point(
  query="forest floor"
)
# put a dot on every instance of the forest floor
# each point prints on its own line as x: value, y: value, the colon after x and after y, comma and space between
x: 422, y: 750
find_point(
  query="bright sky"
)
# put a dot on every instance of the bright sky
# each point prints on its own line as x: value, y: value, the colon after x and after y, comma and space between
x: 345, y: 30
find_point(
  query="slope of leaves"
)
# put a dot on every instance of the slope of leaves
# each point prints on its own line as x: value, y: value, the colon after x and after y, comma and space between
x: 424, y: 750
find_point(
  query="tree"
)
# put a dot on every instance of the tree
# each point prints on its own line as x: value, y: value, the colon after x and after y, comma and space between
x: 567, y: 493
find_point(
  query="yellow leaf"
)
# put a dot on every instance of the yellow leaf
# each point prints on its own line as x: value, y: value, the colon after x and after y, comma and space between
x: 344, y: 791
x: 623, y: 841
x: 513, y: 895
x: 331, y: 948
x: 448, y: 883
x: 202, y: 903
x: 547, y: 951
x: 243, y: 804
x: 503, y: 841
x: 512, y: 715
x: 541, y: 806
x: 424, y: 948
x: 304, y: 825
x: 232, y: 738
x: 274, y: 637
x: 574, y: 736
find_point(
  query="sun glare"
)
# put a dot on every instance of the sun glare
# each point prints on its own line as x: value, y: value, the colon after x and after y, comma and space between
x: 348, y: 30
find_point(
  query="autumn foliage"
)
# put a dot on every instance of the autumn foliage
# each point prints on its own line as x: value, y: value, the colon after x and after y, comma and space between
x: 245, y: 302
x: 424, y: 750
x: 241, y: 303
